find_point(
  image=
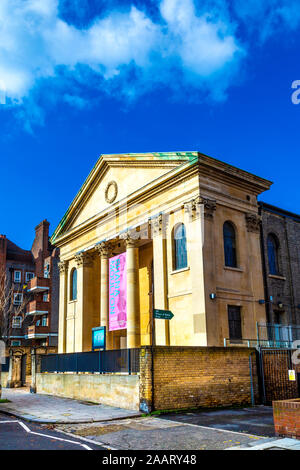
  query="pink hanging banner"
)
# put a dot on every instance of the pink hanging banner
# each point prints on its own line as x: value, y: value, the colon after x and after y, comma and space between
x: 117, y: 293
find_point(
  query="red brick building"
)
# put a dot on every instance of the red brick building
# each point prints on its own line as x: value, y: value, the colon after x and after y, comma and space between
x: 32, y: 284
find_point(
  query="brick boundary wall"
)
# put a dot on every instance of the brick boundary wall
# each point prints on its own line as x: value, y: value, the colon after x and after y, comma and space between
x: 287, y: 417
x: 187, y: 377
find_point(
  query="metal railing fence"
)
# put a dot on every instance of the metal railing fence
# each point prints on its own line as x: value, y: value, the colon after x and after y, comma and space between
x: 5, y: 367
x: 125, y: 361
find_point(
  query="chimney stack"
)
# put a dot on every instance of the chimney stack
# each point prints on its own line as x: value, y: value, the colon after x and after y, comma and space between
x: 40, y: 246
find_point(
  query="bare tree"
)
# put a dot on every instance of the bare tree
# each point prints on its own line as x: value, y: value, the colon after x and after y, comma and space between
x: 12, y: 304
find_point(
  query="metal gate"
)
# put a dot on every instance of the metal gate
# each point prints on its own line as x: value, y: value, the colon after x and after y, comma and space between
x: 23, y: 369
x: 275, y: 364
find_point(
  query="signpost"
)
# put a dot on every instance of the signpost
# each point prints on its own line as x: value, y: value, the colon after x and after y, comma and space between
x: 163, y: 314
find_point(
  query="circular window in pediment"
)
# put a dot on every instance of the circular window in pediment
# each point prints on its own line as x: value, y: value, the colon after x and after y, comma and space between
x: 111, y: 192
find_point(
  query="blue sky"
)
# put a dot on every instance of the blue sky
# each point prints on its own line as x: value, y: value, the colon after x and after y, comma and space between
x: 86, y: 77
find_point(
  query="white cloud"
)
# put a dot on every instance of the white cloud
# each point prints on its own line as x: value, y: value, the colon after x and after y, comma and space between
x: 35, y: 43
x: 190, y: 45
x: 203, y: 47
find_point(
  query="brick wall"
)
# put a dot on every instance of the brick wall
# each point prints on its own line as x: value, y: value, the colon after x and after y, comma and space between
x: 287, y: 418
x: 3, y: 245
x: 186, y: 377
x: 283, y: 288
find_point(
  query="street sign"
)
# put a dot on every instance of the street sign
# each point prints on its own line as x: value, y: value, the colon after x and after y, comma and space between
x: 292, y: 375
x: 163, y: 314
x: 99, y: 338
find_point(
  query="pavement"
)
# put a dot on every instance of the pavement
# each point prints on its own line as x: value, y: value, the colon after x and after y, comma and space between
x: 40, y: 408
x: 271, y: 444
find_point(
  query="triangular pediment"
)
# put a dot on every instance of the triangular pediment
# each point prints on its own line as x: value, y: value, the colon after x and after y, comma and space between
x: 113, y: 179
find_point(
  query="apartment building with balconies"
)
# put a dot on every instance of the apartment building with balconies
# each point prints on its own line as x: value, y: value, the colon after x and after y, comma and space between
x: 31, y: 287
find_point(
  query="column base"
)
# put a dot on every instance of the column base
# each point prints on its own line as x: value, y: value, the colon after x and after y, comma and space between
x: 10, y: 384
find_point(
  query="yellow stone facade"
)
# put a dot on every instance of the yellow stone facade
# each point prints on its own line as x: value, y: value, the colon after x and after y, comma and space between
x: 132, y: 202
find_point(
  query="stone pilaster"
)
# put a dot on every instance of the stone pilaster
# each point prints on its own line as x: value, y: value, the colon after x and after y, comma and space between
x: 162, y: 331
x: 63, y: 304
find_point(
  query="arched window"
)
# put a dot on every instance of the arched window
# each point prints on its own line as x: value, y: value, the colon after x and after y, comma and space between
x: 73, y: 285
x: 179, y: 247
x: 229, y: 245
x: 273, y: 251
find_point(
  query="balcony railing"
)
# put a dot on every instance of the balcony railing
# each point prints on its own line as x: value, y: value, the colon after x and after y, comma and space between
x: 34, y: 332
x: 38, y: 284
x: 37, y: 308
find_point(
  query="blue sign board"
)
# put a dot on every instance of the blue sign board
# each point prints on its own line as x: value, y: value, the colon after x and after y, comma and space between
x: 99, y: 338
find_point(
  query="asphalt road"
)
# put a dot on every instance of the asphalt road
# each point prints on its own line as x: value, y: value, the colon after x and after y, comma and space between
x: 16, y: 434
x: 256, y: 420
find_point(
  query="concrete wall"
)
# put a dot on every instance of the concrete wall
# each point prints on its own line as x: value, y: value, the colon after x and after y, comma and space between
x: 4, y: 376
x: 115, y: 390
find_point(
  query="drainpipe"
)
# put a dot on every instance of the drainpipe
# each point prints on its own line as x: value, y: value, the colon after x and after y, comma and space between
x: 251, y: 380
x: 291, y: 284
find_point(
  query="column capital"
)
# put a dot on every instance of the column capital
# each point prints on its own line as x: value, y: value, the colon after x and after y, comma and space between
x: 84, y: 259
x: 130, y: 238
x: 210, y: 205
x: 192, y: 208
x: 158, y: 224
x: 63, y: 266
x: 253, y: 222
x: 104, y: 249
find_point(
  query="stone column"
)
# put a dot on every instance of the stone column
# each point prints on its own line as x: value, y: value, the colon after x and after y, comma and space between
x: 133, y: 298
x: 162, y: 327
x: 256, y: 312
x: 104, y: 252
x: 63, y: 303
x: 10, y: 383
x: 84, y: 306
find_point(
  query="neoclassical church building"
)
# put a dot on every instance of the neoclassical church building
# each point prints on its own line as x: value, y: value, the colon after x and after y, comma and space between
x: 172, y: 231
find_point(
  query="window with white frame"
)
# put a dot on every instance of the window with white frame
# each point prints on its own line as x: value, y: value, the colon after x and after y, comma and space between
x: 47, y: 270
x: 46, y: 297
x: 17, y: 322
x: 18, y: 299
x: 29, y: 276
x: 38, y: 323
x: 16, y: 342
x: 17, y: 276
x: 45, y: 321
